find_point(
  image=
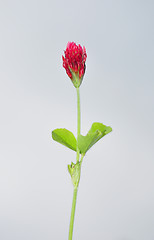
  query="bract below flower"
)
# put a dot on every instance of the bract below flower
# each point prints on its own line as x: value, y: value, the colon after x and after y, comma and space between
x: 74, y: 62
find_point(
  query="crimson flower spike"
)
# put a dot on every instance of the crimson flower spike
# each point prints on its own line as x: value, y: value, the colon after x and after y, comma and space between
x: 74, y: 62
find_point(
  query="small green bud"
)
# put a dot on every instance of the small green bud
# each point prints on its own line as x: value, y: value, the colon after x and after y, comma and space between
x: 74, y: 170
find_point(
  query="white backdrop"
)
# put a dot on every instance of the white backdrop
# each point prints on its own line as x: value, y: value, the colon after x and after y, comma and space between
x: 116, y: 195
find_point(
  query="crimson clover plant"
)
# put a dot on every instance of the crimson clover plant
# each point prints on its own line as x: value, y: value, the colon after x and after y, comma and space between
x: 74, y: 63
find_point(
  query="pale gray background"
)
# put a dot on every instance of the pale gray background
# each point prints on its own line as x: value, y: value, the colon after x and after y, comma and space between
x: 116, y: 194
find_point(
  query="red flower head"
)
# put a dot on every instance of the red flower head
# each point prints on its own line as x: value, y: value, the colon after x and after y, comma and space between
x: 74, y: 62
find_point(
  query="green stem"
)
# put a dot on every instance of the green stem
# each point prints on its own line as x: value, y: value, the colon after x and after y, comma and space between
x: 82, y: 156
x: 77, y: 160
x: 78, y: 124
x: 72, y: 214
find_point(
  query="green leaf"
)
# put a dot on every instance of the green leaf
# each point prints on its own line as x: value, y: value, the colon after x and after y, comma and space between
x: 64, y: 137
x: 97, y: 131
